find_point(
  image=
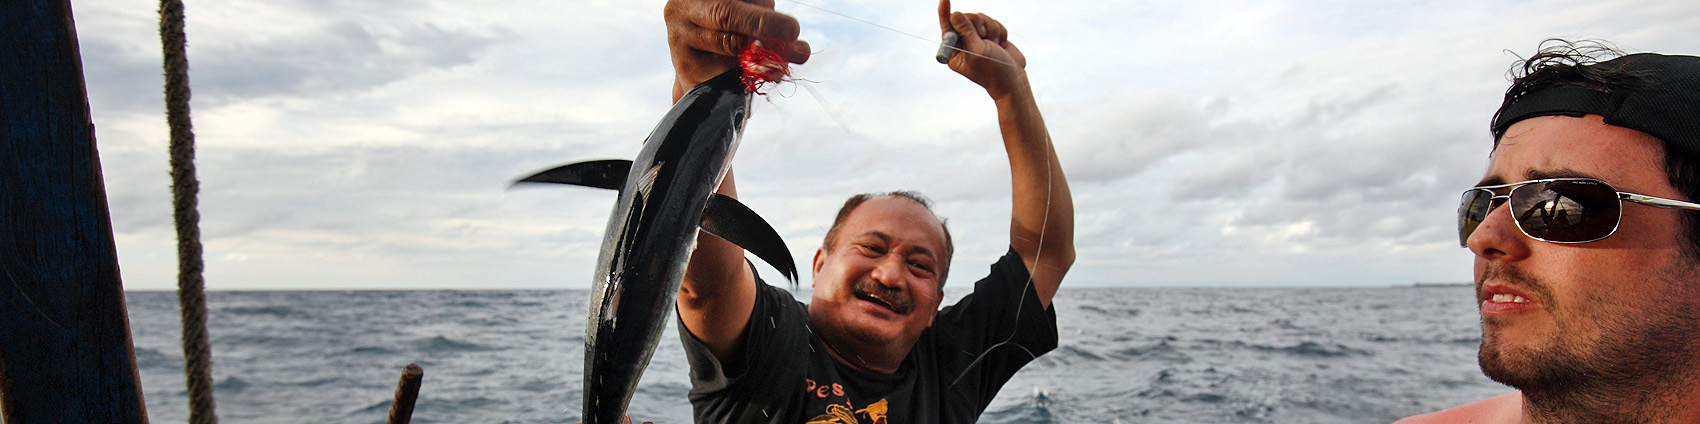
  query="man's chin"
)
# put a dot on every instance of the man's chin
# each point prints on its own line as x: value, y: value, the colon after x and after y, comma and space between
x: 1523, y: 368
x: 871, y: 329
x: 1497, y: 367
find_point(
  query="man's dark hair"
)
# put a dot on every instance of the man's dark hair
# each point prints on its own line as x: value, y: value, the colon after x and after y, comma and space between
x: 1562, y: 63
x: 857, y: 200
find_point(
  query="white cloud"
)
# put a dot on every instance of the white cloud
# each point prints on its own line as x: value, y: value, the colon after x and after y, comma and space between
x: 369, y: 144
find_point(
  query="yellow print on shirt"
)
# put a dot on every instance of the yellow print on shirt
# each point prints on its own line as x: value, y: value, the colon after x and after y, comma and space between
x: 840, y: 414
x: 875, y: 412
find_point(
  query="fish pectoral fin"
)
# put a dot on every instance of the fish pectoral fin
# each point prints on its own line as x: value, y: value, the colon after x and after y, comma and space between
x: 609, y: 174
x: 730, y: 220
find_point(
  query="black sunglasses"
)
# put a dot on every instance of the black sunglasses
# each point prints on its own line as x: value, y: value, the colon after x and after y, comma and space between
x: 1556, y: 210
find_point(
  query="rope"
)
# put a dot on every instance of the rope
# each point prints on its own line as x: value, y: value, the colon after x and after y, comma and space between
x: 191, y: 287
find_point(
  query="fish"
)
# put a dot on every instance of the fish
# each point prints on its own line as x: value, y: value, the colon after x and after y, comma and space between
x: 666, y: 195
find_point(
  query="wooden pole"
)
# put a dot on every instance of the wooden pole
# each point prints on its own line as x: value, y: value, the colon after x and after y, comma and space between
x: 65, y: 348
x: 406, y: 393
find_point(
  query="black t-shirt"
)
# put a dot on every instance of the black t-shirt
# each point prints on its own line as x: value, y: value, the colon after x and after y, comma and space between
x: 783, y: 374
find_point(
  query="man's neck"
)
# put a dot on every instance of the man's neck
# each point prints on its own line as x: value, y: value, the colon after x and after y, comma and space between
x: 862, y: 363
x: 1672, y: 403
x: 873, y: 357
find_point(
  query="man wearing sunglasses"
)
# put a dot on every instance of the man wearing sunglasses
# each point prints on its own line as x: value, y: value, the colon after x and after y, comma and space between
x: 1587, y: 242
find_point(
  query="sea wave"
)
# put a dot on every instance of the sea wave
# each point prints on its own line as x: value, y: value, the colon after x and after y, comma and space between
x: 1124, y: 355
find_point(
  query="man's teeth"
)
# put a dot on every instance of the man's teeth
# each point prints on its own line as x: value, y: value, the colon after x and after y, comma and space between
x: 875, y: 299
x: 1503, y: 298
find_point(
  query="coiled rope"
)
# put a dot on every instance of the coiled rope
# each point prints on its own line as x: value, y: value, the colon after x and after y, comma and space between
x: 191, y: 287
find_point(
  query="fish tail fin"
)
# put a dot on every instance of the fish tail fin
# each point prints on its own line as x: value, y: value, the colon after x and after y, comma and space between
x: 607, y: 174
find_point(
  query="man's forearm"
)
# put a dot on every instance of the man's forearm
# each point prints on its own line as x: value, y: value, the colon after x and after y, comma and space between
x: 1042, y: 216
x: 718, y: 291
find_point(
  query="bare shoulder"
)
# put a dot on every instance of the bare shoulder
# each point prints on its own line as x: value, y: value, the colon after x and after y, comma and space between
x: 1506, y: 408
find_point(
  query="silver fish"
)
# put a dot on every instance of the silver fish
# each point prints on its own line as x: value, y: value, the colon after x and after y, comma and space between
x: 666, y: 195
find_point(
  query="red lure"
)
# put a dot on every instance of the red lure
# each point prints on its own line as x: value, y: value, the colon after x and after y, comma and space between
x: 762, y: 66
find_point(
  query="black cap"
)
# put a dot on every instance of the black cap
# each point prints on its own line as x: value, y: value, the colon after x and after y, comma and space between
x: 1664, y: 104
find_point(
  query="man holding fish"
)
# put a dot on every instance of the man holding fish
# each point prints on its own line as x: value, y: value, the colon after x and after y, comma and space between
x: 873, y: 345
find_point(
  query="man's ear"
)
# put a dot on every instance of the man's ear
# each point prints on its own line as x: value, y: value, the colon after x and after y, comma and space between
x: 819, y: 261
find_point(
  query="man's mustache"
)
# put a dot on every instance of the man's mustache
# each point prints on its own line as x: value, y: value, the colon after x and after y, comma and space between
x: 1515, y: 278
x: 892, y: 297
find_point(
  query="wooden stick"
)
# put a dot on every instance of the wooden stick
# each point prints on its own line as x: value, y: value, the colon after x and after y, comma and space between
x: 65, y: 348
x: 406, y: 393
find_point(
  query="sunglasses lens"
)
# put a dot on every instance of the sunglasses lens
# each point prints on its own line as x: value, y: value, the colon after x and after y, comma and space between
x: 1471, y: 211
x: 1568, y: 211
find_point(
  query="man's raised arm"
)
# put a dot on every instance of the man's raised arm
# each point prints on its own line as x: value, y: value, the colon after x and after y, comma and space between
x: 705, y: 38
x: 1041, y: 227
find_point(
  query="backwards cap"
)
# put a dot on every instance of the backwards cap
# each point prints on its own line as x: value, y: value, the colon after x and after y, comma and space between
x: 1664, y: 104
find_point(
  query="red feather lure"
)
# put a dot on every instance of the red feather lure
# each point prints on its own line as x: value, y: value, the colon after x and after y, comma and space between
x: 762, y: 66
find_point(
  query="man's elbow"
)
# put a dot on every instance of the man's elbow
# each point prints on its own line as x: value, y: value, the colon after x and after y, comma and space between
x: 692, y: 297
x: 1062, y: 257
x: 1055, y: 256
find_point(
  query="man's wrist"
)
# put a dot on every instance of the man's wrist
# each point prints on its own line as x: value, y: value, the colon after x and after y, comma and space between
x: 1017, y: 93
x: 1015, y: 90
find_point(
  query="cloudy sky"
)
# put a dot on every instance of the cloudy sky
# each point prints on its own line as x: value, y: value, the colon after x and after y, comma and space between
x: 370, y: 144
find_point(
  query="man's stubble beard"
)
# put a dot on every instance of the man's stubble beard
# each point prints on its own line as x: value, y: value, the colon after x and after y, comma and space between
x: 1641, y: 358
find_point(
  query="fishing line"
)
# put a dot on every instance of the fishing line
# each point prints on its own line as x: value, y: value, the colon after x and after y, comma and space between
x: 917, y: 37
x: 1038, y: 252
x: 1044, y: 222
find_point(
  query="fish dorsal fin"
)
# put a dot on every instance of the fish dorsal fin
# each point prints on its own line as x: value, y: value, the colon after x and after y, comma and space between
x: 730, y: 220
x: 609, y: 174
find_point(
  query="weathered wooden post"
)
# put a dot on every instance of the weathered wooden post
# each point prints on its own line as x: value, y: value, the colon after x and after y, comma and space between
x: 65, y: 348
x: 406, y: 394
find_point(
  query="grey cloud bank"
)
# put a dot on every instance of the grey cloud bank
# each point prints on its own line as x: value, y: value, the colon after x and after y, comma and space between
x: 370, y: 145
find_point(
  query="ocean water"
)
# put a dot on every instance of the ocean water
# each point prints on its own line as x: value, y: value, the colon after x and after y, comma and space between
x: 1127, y: 355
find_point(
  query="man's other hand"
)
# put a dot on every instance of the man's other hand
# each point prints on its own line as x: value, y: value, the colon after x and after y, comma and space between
x: 995, y: 64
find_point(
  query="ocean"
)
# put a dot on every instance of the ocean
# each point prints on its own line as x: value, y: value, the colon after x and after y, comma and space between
x: 1126, y: 355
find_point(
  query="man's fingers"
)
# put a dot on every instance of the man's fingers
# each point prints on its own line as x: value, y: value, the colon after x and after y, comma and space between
x: 726, y: 27
x: 944, y: 16
x: 795, y: 51
x: 708, y: 41
x: 985, y: 27
x: 729, y: 44
x: 968, y: 30
x: 993, y: 30
x: 733, y: 45
x: 976, y: 27
x: 748, y: 20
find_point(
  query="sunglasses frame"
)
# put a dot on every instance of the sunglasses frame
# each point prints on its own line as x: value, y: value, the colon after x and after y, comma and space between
x: 1495, y: 200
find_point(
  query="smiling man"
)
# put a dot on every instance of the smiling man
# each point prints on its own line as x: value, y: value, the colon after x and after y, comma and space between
x: 873, y: 346
x: 1587, y: 246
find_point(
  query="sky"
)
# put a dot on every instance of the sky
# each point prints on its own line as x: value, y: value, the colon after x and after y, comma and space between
x: 371, y: 144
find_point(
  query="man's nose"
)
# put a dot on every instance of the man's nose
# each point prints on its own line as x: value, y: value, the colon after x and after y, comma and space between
x: 1497, y: 238
x: 889, y: 271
